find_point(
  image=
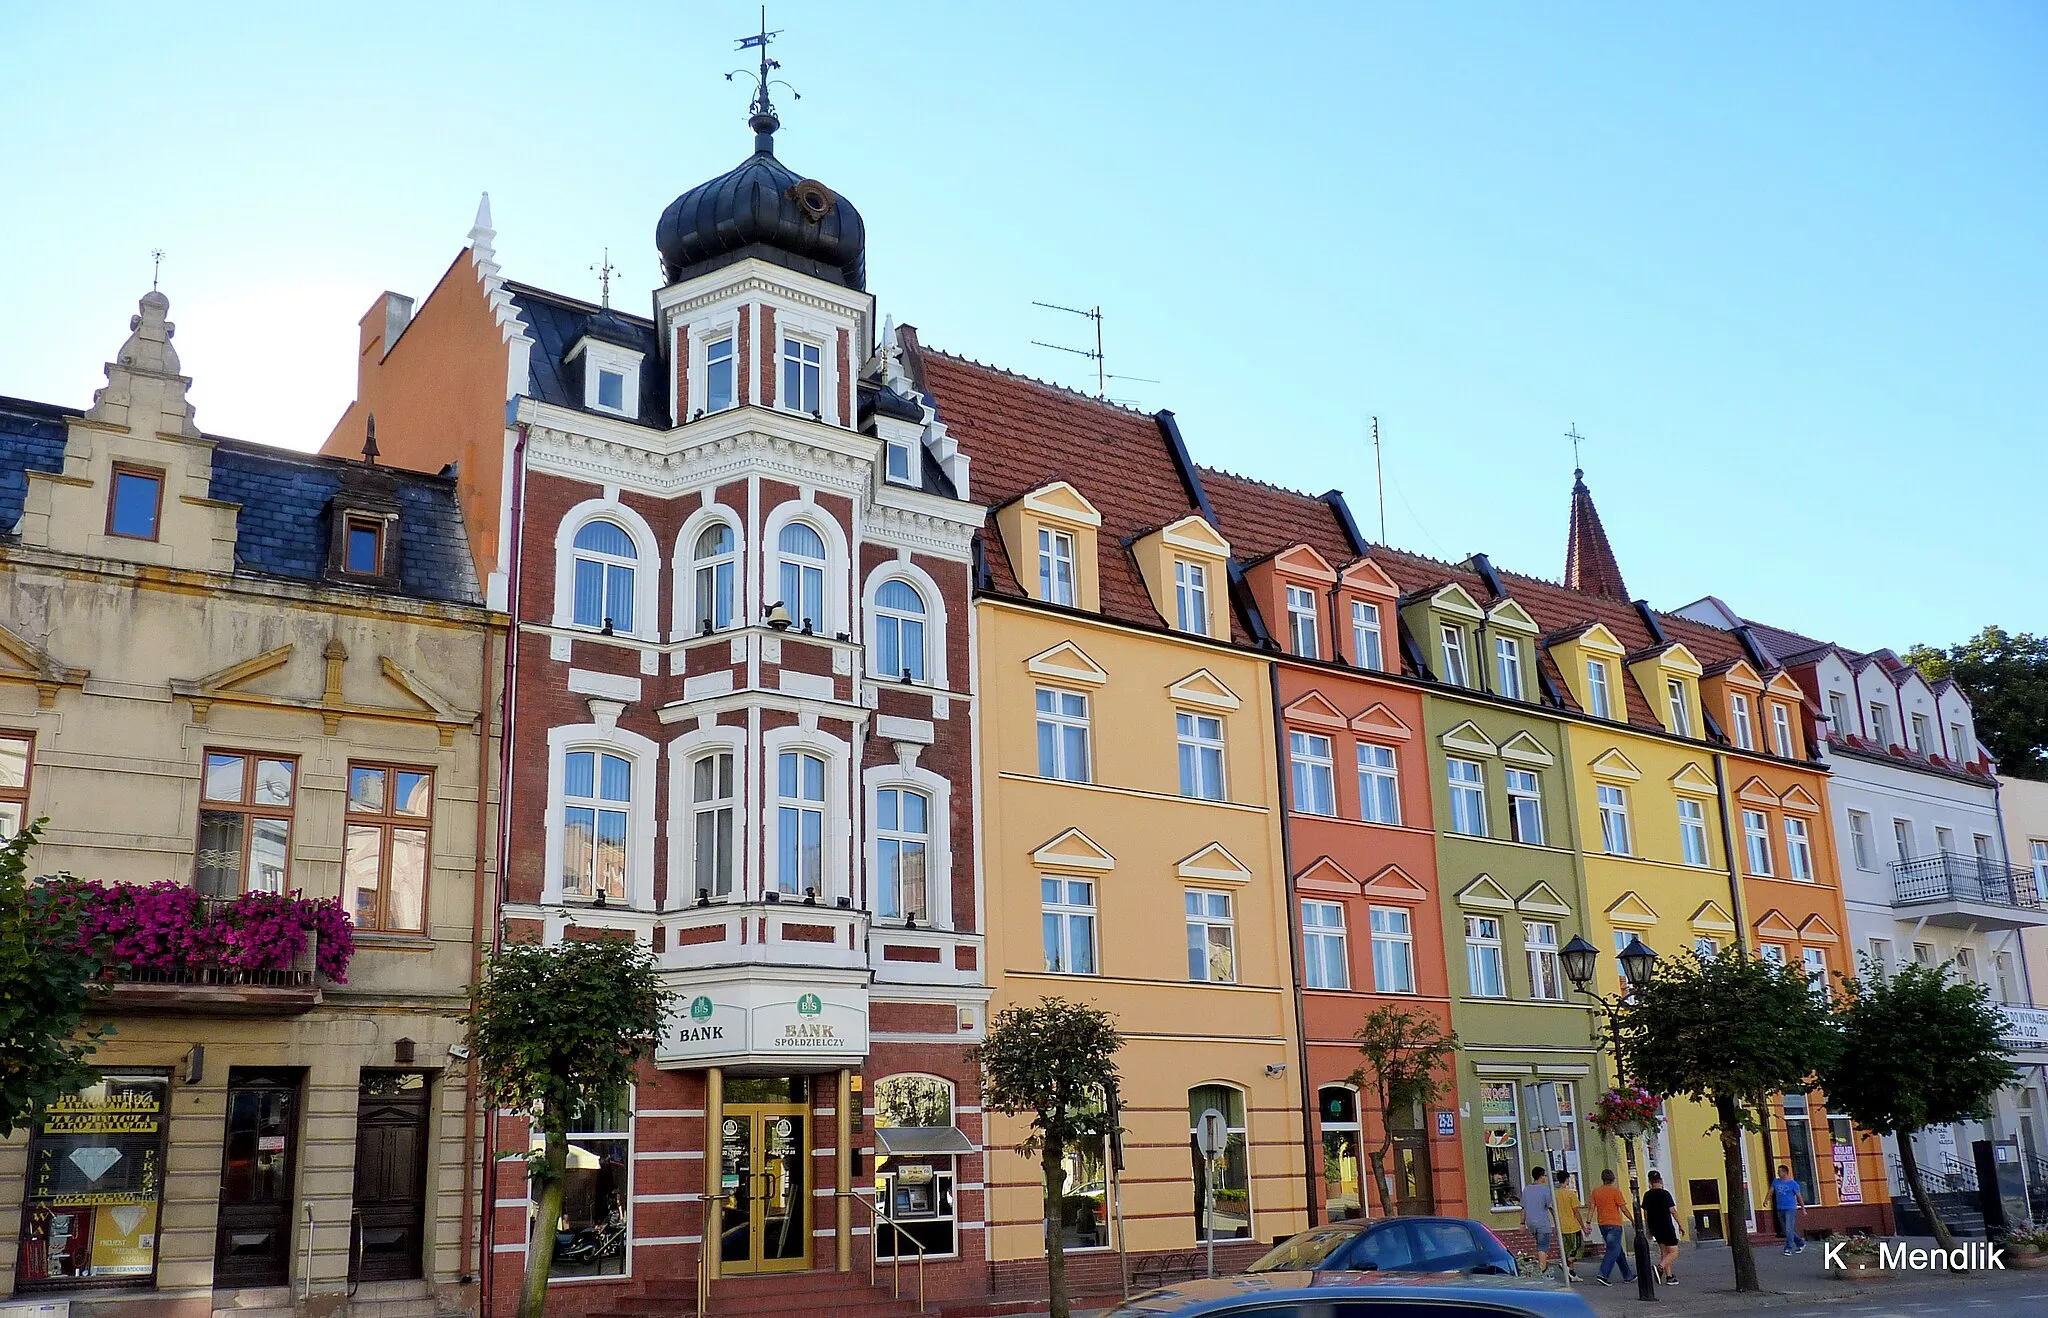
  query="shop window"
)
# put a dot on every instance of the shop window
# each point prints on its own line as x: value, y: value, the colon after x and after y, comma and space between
x: 1343, y: 1182
x: 1501, y: 1135
x: 245, y: 823
x: 1084, y: 1214
x: 384, y: 864
x: 95, y: 1185
x: 916, y: 1165
x: 591, y: 1236
x: 1230, y: 1213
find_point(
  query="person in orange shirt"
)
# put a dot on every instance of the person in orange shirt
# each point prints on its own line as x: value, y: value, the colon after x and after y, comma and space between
x: 1610, y: 1210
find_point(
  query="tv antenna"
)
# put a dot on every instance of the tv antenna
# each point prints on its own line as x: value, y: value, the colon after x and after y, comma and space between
x: 1102, y: 374
x: 1379, y: 475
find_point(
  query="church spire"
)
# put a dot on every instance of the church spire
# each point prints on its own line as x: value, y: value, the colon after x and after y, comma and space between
x: 1589, y: 564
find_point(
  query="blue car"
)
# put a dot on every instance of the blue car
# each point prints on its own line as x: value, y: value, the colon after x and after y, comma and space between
x: 1393, y: 1244
x: 1357, y: 1295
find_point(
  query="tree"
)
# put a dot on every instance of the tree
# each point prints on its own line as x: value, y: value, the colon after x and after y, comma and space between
x: 1730, y: 1030
x: 1055, y: 1062
x: 2006, y: 679
x: 553, y: 1028
x: 46, y: 987
x: 1407, y: 1058
x: 1918, y: 1050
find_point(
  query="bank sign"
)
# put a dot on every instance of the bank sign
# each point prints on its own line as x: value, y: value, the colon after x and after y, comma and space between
x: 767, y: 1019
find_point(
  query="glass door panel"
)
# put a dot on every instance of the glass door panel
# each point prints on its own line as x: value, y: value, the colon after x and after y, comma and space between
x: 764, y: 1189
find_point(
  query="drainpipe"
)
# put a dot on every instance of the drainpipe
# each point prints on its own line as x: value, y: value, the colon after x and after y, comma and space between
x: 1741, y: 926
x: 478, y: 898
x: 1311, y: 1147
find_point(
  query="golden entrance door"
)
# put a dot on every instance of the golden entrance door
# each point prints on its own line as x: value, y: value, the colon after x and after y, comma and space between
x: 764, y: 1188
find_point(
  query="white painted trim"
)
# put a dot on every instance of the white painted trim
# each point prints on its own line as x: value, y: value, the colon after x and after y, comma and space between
x: 935, y: 620
x: 646, y: 571
x: 829, y: 530
x: 643, y: 755
x: 938, y: 792
x: 682, y: 825
x: 838, y: 826
x: 688, y: 615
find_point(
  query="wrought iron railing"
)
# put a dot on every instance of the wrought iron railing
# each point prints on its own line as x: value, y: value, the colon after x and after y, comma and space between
x: 1951, y: 876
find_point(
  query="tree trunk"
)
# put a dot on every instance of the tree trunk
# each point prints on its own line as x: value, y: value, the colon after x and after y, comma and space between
x: 1385, y: 1183
x: 1730, y: 1118
x: 540, y: 1248
x: 1909, y: 1165
x: 1051, y: 1159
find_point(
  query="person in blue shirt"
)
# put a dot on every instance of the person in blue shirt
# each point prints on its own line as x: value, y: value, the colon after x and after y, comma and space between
x: 1785, y: 1198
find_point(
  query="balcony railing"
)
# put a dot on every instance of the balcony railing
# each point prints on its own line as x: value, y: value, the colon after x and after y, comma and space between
x: 1951, y: 876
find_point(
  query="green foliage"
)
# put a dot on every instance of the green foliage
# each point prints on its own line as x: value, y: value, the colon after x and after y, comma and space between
x: 45, y: 991
x: 1054, y: 1062
x: 555, y: 1026
x: 1406, y: 1060
x: 1728, y: 1025
x: 2006, y: 678
x: 1919, y: 1048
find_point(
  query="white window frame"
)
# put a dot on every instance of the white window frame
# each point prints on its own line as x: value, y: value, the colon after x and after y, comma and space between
x: 1881, y: 724
x: 1191, y: 596
x: 1798, y: 850
x: 1302, y: 630
x: 784, y: 360
x: 805, y: 568
x: 796, y: 807
x: 1781, y: 729
x: 913, y: 661
x: 1615, y: 836
x: 726, y: 334
x: 1922, y: 728
x: 836, y: 835
x: 1838, y: 713
x: 643, y: 755
x: 1311, y: 764
x: 1681, y: 712
x: 1366, y: 636
x: 937, y: 791
x: 906, y: 841
x: 707, y: 570
x: 1862, y: 841
x: 1693, y: 845
x: 912, y: 451
x: 1881, y: 952
x: 1061, y: 718
x: 1903, y: 841
x: 1451, y: 645
x: 2037, y: 855
x: 1507, y: 657
x: 1756, y: 843
x: 1599, y: 699
x: 1944, y: 840
x: 1546, y: 975
x: 937, y: 623
x: 1323, y: 945
x: 1745, y: 733
x: 1525, y: 806
x: 600, y: 359
x: 1959, y: 744
x: 1060, y: 906
x: 1814, y: 960
x: 1400, y: 943
x: 836, y: 589
x: 1056, y: 550
x: 1471, y: 791
x: 646, y: 566
x: 1483, y: 949
x: 711, y: 807
x: 1208, y: 921
x: 1379, y: 783
x: 1199, y: 740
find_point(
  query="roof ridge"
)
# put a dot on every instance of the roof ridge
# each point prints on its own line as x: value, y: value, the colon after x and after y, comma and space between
x: 1253, y: 480
x: 574, y: 303
x: 1034, y: 380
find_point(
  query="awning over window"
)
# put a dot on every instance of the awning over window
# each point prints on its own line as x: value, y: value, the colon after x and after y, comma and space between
x: 921, y: 1141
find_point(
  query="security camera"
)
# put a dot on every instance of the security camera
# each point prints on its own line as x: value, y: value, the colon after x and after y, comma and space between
x: 1276, y: 1068
x: 459, y: 1051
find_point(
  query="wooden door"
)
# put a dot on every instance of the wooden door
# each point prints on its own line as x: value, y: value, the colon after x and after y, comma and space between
x: 388, y: 1243
x: 253, y: 1238
x: 1414, y: 1190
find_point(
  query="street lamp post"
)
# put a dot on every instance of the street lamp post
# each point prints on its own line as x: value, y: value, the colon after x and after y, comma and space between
x: 1637, y: 962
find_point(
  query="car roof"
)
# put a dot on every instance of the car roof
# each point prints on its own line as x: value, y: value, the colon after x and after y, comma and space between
x: 1536, y: 1296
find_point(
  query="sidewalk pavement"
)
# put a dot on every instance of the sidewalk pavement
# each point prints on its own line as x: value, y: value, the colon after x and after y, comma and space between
x: 1798, y: 1285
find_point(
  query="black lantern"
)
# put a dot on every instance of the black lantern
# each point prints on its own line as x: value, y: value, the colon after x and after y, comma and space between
x: 1579, y: 957
x: 1637, y: 961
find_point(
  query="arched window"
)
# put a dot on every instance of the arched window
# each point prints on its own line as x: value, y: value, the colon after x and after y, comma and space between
x: 902, y: 836
x: 1229, y: 1173
x: 799, y: 822
x: 597, y: 795
x: 802, y: 574
x: 605, y: 558
x: 715, y: 559
x: 913, y: 1100
x: 712, y: 810
x: 899, y: 631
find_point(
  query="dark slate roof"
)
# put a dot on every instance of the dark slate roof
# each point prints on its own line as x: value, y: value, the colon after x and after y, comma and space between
x: 31, y: 439
x: 557, y: 323
x: 282, y: 530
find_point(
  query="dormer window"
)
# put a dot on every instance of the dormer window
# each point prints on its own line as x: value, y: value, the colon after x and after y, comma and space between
x: 1921, y: 732
x: 611, y: 390
x: 135, y: 504
x: 1507, y: 657
x: 611, y: 377
x: 1191, y: 596
x: 1301, y: 622
x: 364, y: 552
x: 802, y: 373
x: 718, y: 374
x: 902, y: 461
x: 1597, y: 702
x: 1454, y: 655
x: 1959, y: 744
x: 1838, y: 714
x: 1745, y: 731
x: 1056, y: 566
x: 1365, y: 636
x: 1881, y: 723
x: 1781, y: 730
x: 1681, y: 717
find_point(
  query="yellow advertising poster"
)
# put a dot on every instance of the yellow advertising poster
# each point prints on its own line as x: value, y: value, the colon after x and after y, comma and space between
x: 123, y: 1240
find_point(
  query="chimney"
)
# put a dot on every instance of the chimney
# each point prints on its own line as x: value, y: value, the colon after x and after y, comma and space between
x: 383, y: 323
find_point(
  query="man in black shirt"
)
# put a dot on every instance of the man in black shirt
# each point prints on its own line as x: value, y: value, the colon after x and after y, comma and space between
x: 1660, y: 1219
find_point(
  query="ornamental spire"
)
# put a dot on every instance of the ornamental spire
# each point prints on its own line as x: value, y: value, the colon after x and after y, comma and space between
x: 761, y: 117
x: 1589, y: 563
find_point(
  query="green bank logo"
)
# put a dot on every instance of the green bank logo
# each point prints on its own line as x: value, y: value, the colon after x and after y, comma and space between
x: 809, y: 1005
x: 700, y: 1008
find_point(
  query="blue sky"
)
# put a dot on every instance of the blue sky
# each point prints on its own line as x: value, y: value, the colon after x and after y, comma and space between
x: 1785, y: 267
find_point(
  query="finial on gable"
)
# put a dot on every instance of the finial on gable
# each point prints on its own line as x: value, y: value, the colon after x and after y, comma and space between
x: 146, y: 372
x: 370, y: 453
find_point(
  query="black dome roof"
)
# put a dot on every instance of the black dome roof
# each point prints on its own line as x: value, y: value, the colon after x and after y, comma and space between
x: 763, y: 208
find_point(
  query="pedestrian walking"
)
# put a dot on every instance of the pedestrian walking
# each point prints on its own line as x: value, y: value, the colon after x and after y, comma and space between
x: 1610, y: 1210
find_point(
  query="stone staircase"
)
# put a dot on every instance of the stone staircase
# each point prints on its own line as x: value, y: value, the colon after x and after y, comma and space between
x: 812, y: 1294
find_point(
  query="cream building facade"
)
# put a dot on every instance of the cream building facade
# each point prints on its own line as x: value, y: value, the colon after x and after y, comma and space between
x: 240, y: 673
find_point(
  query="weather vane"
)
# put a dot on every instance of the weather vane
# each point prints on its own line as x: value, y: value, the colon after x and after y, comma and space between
x: 156, y: 271
x: 759, y: 41
x: 605, y: 270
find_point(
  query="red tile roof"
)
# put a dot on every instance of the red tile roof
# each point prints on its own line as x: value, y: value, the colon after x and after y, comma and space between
x: 1589, y: 563
x: 1260, y: 520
